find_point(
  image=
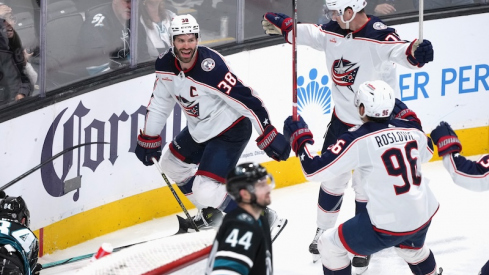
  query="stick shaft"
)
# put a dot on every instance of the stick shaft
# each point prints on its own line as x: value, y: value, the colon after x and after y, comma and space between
x: 12, y: 182
x: 294, y: 64
x: 175, y: 194
x: 421, y: 15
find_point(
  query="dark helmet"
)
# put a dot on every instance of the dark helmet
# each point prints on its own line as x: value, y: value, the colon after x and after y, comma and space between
x: 14, y: 209
x: 244, y: 176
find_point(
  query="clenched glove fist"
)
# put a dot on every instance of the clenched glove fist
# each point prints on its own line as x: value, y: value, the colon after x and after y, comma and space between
x: 297, y: 133
x: 423, y: 52
x: 401, y: 111
x: 445, y: 139
x: 277, y: 23
x: 148, y: 147
x: 274, y: 144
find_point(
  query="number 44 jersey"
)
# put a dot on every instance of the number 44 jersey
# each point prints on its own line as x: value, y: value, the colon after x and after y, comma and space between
x: 242, y: 246
x: 388, y: 156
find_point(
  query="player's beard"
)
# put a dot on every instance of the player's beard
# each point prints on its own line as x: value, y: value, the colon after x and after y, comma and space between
x: 185, y: 56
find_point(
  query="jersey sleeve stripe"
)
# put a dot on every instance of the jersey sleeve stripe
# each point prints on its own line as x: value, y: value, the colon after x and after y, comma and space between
x: 230, y: 265
x: 234, y: 255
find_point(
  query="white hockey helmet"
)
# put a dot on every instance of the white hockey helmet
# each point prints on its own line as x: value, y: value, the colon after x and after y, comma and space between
x: 377, y: 97
x: 341, y: 5
x: 184, y: 24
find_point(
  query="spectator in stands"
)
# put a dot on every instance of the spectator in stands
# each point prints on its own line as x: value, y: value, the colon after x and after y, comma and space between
x: 15, y: 83
x: 105, y: 35
x: 386, y: 7
x: 155, y: 18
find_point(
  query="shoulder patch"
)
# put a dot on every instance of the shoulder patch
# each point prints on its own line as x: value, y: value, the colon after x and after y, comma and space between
x: 245, y: 217
x: 163, y: 53
x: 208, y: 64
x: 379, y: 26
x: 354, y: 128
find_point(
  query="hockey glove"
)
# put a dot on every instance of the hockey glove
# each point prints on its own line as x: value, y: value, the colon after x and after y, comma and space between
x: 274, y: 144
x: 445, y: 139
x: 147, y: 148
x: 297, y: 133
x: 277, y: 23
x: 401, y: 111
x: 423, y: 52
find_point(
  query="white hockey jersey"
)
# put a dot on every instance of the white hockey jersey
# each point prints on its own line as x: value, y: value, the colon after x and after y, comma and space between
x: 211, y: 96
x: 388, y: 157
x: 472, y: 175
x: 369, y: 53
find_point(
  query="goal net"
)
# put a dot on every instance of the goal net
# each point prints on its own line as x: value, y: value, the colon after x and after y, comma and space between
x: 179, y: 254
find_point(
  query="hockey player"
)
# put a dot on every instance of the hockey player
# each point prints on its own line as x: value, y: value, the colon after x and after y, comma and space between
x: 243, y: 244
x: 220, y: 112
x: 358, y: 48
x: 19, y: 247
x: 387, y: 154
x: 471, y: 175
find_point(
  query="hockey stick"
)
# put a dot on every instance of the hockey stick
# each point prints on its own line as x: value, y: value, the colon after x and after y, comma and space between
x: 421, y: 15
x: 175, y: 194
x: 47, y: 161
x: 294, y: 64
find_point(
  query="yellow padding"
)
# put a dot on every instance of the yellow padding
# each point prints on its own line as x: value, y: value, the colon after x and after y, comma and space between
x: 111, y: 217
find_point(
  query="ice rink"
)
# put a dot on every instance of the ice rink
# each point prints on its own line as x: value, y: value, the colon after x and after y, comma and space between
x: 458, y: 236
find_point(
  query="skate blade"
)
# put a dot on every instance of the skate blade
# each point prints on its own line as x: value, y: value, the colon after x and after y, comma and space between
x: 277, y: 228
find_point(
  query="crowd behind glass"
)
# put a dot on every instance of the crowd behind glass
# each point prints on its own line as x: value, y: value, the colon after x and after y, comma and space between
x: 85, y: 38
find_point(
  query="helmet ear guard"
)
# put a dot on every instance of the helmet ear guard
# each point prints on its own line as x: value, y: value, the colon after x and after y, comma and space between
x: 377, y: 97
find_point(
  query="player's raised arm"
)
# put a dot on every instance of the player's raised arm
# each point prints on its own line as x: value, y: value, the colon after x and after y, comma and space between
x: 471, y: 175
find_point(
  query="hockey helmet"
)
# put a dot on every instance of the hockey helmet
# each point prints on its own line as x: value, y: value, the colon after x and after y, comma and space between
x: 14, y: 209
x: 377, y: 97
x: 184, y: 24
x: 341, y: 5
x: 245, y: 176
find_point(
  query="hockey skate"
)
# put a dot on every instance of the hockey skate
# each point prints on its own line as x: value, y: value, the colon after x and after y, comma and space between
x: 276, y: 223
x: 360, y: 263
x: 206, y: 218
x: 313, y: 247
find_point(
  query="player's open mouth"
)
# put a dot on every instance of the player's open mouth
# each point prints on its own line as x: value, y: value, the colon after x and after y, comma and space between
x: 186, y: 53
x: 10, y: 31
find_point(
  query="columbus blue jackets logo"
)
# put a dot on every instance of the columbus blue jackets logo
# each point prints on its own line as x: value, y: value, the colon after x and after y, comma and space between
x: 208, y: 64
x: 188, y: 106
x: 344, y: 72
x: 313, y: 92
